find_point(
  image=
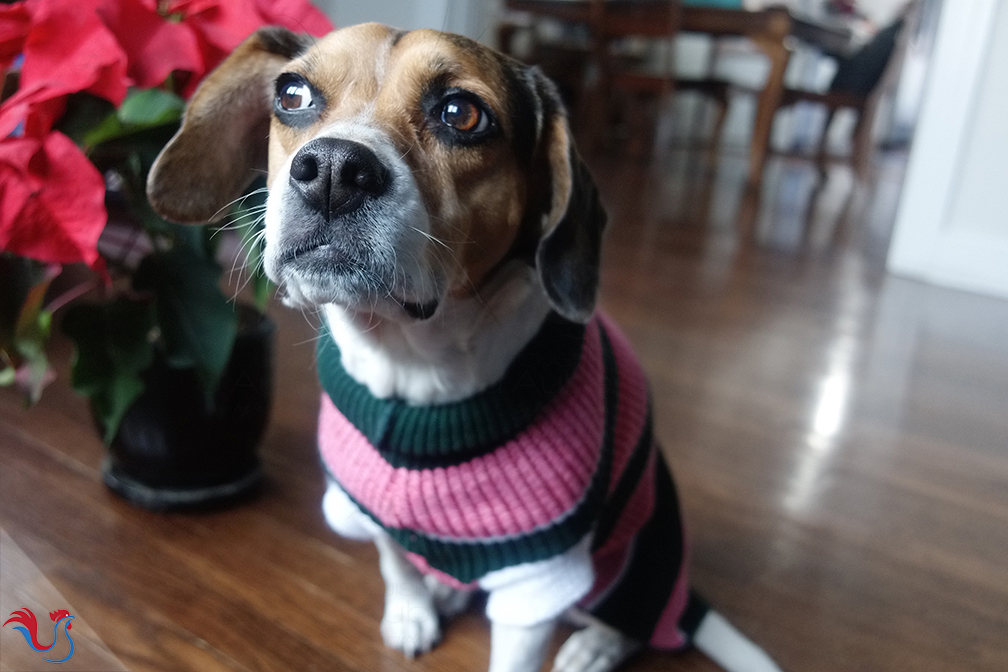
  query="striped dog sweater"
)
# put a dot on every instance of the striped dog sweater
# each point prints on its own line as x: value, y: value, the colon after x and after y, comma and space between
x: 555, y: 457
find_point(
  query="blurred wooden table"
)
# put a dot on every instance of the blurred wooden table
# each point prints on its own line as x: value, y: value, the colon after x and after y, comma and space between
x: 768, y: 29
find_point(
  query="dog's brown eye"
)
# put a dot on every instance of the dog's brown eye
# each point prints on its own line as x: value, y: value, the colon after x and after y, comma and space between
x: 464, y: 115
x: 295, y: 96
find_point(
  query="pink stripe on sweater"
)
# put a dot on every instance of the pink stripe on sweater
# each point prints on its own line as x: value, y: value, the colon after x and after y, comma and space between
x: 530, y: 481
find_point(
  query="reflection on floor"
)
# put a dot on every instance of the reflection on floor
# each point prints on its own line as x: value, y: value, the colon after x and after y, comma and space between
x: 839, y: 439
x: 839, y: 435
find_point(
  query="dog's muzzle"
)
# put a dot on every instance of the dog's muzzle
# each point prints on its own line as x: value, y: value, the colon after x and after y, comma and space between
x: 336, y: 176
x: 348, y: 226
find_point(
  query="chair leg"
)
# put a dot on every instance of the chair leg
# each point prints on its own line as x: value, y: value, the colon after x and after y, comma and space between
x: 821, y: 156
x: 720, y: 113
x: 642, y: 122
x: 664, y: 101
x: 862, y: 145
x: 593, y: 113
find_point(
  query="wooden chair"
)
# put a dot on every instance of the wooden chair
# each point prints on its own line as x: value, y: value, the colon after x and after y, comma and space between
x: 639, y: 89
x: 592, y: 75
x: 565, y: 61
x: 619, y: 75
x: 859, y: 83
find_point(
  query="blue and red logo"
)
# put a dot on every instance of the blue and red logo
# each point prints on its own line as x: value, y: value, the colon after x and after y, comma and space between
x: 29, y: 629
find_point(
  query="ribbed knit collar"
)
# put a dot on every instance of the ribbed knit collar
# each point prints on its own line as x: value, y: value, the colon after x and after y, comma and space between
x: 444, y: 434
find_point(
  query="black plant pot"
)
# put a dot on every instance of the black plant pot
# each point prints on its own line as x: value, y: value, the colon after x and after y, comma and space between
x: 173, y: 450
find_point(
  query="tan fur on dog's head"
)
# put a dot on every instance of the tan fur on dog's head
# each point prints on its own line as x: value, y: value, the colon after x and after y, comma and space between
x: 516, y: 190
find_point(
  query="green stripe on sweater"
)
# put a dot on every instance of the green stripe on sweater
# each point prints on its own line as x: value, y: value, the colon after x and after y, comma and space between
x: 444, y: 434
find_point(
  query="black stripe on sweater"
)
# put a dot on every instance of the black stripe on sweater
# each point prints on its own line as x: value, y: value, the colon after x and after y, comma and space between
x: 693, y: 615
x: 636, y: 602
x: 626, y: 487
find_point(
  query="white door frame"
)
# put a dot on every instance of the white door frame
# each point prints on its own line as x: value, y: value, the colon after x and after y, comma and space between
x: 923, y: 245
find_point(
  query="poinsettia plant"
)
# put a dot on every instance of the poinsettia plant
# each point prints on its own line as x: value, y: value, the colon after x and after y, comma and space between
x: 92, y: 90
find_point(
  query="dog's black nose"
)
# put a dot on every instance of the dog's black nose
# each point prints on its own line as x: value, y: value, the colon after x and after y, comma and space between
x: 336, y: 176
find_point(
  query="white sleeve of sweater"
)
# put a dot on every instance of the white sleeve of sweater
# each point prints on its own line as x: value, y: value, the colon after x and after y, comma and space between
x: 534, y: 592
x: 345, y: 518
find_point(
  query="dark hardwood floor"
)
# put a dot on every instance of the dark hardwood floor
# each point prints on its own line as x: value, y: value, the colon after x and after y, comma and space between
x: 839, y: 439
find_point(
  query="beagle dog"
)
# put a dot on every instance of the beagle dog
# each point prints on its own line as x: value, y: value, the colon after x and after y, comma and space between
x: 482, y: 423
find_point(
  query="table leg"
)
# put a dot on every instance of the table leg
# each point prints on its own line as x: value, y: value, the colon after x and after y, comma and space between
x: 766, y: 106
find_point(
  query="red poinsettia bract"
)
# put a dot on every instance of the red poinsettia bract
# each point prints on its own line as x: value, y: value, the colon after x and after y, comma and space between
x: 51, y: 197
x: 52, y: 200
x: 194, y: 36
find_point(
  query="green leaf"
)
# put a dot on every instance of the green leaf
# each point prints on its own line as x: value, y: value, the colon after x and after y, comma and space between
x: 111, y: 402
x: 193, y: 237
x: 113, y: 348
x: 150, y: 107
x: 248, y: 216
x: 107, y: 129
x: 142, y: 109
x: 35, y: 362
x: 84, y: 112
x: 261, y: 285
x: 93, y: 365
x: 130, y: 326
x: 31, y: 325
x: 31, y: 333
x: 7, y: 376
x: 37, y: 366
x: 197, y: 322
x: 262, y: 289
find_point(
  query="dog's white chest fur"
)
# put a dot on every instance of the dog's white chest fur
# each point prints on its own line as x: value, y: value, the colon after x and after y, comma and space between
x: 463, y: 349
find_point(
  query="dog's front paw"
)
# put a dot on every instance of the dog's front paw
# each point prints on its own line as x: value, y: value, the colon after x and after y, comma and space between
x: 410, y: 623
x: 597, y: 648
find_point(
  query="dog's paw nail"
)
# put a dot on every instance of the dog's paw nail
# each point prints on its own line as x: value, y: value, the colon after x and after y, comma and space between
x: 410, y: 625
x: 594, y: 650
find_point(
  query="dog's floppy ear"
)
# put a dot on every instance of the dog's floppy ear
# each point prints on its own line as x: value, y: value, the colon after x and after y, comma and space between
x: 570, y: 249
x: 223, y: 138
